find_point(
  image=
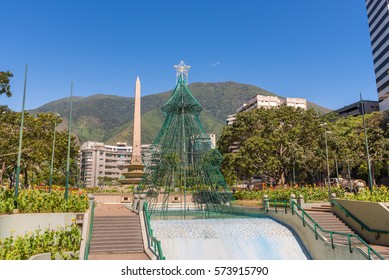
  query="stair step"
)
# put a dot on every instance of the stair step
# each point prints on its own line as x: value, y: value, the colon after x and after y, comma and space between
x: 126, y: 217
x: 124, y: 251
x: 117, y: 221
x: 108, y: 239
x: 117, y: 232
x: 113, y: 227
x: 125, y: 242
x: 116, y: 224
x: 338, y: 229
x: 115, y: 235
x: 114, y: 248
x: 329, y: 223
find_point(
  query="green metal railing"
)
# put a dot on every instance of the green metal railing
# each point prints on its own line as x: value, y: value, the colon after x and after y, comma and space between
x: 277, y: 203
x: 354, y: 241
x: 154, y: 243
x: 91, y: 220
x: 363, y: 225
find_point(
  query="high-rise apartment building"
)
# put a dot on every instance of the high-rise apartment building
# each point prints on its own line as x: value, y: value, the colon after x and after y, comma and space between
x: 378, y: 18
x: 98, y: 161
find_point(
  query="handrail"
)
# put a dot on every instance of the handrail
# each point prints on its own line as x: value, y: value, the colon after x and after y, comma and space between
x: 154, y: 243
x: 363, y: 225
x: 91, y: 221
x: 316, y: 226
x: 284, y: 201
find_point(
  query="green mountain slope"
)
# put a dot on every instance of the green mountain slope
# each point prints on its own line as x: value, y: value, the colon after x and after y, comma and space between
x: 109, y: 118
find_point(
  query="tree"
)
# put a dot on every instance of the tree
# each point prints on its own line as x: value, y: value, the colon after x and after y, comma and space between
x: 282, y: 142
x: 271, y: 142
x: 37, y: 146
x: 4, y: 83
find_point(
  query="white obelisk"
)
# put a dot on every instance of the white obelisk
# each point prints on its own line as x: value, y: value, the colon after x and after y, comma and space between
x: 135, y: 172
x: 136, y: 139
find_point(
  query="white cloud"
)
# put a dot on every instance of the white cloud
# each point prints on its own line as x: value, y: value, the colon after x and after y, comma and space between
x: 215, y: 64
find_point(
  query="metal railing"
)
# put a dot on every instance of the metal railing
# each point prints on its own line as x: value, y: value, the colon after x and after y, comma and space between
x: 277, y: 203
x: 154, y: 243
x: 335, y: 238
x: 91, y: 220
x: 363, y: 225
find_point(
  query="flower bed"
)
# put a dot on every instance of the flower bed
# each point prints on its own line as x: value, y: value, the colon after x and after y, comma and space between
x: 59, y: 241
x: 313, y: 194
x: 41, y: 201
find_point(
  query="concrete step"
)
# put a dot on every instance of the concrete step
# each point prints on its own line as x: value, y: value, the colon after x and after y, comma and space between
x: 116, y: 229
x: 124, y: 242
x: 116, y: 248
x: 330, y: 223
x: 113, y: 236
x: 382, y: 250
x: 111, y: 215
x: 114, y: 218
x: 122, y: 239
x: 116, y: 226
x: 316, y: 209
x: 338, y: 229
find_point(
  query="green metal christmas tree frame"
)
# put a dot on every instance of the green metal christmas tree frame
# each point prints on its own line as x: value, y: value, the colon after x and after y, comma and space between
x: 182, y: 166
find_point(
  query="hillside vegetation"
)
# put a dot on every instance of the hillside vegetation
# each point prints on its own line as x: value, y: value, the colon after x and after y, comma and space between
x: 109, y: 118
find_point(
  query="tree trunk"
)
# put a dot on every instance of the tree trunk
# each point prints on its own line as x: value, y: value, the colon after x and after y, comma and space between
x: 372, y: 172
x: 11, y: 176
x: 25, y: 178
x: 2, y: 170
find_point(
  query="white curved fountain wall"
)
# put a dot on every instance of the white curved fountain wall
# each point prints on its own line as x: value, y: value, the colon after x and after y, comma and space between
x: 227, y: 239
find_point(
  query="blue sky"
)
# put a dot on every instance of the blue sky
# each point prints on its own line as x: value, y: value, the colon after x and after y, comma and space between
x: 319, y: 50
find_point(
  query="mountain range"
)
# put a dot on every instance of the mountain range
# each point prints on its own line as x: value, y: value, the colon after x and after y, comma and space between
x: 109, y: 118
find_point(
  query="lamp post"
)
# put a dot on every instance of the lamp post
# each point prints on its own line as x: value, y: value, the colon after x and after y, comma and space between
x: 52, y: 154
x: 328, y: 167
x: 366, y: 145
x: 68, y: 159
x: 20, y: 143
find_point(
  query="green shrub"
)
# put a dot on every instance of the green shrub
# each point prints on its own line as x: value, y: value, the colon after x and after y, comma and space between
x: 314, y: 194
x: 62, y: 240
x: 41, y: 201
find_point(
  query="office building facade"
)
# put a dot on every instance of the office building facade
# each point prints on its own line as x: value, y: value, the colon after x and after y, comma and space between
x: 355, y: 109
x: 378, y: 19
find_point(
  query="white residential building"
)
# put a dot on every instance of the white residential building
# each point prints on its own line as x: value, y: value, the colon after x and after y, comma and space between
x: 267, y: 102
x: 100, y: 160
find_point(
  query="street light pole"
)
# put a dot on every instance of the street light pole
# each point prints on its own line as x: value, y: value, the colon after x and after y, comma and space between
x: 52, y: 155
x: 68, y: 159
x: 366, y: 145
x: 20, y: 143
x: 328, y: 167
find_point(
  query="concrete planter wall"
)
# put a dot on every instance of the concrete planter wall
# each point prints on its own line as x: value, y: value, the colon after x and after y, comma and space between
x: 20, y: 224
x: 47, y: 256
x: 114, y: 197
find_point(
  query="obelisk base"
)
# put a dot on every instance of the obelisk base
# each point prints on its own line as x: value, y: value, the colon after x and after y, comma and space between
x: 134, y: 175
